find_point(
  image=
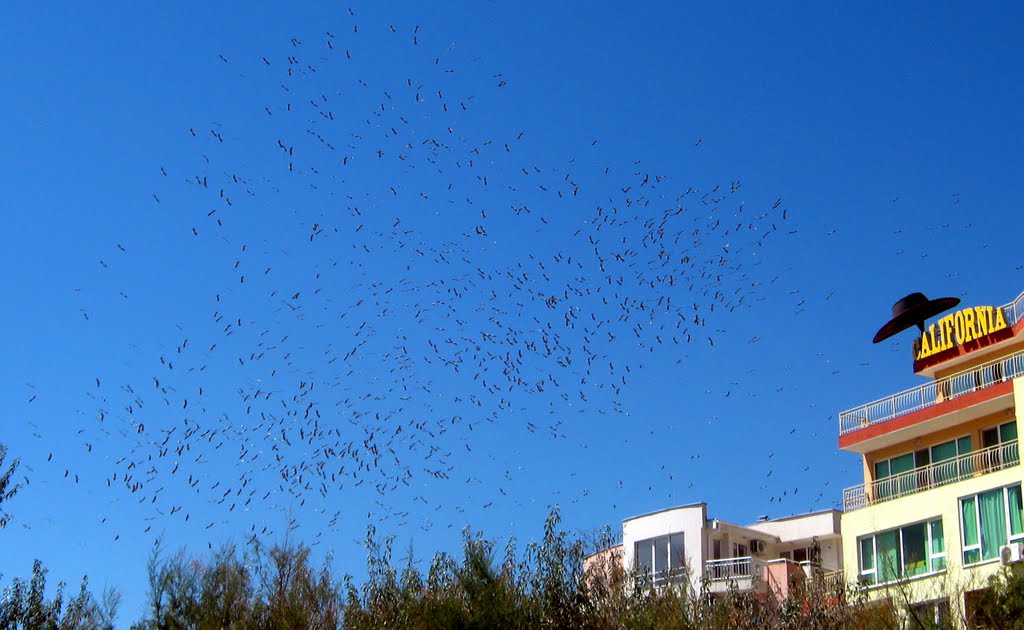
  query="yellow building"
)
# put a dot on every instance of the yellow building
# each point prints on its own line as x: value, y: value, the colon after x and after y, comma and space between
x: 940, y: 508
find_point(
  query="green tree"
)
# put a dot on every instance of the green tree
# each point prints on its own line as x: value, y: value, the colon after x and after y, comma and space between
x: 24, y: 605
x: 8, y: 489
x: 261, y: 588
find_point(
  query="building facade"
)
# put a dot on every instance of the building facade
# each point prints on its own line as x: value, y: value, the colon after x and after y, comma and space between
x: 683, y: 546
x: 940, y: 509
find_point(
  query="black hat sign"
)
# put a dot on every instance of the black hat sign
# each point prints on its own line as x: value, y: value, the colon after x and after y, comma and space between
x: 911, y: 310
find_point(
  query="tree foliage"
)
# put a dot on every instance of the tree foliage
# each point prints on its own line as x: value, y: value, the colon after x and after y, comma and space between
x: 260, y: 588
x: 24, y: 605
x: 546, y: 585
x: 1001, y: 605
x: 8, y: 489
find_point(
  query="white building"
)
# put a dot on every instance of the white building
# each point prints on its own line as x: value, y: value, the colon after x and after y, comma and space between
x: 682, y: 545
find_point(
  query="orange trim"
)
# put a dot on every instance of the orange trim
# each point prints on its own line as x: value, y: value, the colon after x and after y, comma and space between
x: 969, y: 347
x: 926, y: 414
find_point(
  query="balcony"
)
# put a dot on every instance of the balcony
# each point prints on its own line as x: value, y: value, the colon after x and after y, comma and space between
x: 661, y: 578
x: 927, y: 477
x: 743, y: 573
x: 931, y: 394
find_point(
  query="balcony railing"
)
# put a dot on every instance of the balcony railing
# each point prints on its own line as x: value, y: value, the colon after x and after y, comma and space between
x: 927, y: 477
x: 663, y: 577
x: 932, y: 393
x: 1014, y: 311
x: 733, y: 568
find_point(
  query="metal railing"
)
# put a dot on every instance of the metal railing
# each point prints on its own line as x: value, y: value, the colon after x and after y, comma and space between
x: 932, y: 393
x: 733, y: 568
x: 1014, y: 310
x: 932, y: 476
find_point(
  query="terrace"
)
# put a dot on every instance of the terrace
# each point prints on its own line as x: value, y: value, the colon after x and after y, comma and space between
x: 747, y: 573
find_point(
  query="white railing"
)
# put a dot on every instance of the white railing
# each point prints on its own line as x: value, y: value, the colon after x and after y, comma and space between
x: 668, y: 576
x: 1014, y: 310
x: 733, y: 568
x: 932, y: 393
x: 927, y: 477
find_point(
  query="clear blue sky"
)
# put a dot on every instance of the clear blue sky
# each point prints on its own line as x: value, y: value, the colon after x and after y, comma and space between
x: 414, y: 211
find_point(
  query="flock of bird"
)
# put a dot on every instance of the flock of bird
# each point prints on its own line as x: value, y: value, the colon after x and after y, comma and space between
x: 401, y: 274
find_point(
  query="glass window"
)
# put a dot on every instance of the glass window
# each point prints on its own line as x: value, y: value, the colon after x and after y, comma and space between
x: 1008, y: 432
x: 661, y: 559
x: 963, y: 445
x: 887, y: 554
x: 911, y: 550
x: 915, y: 549
x: 867, y: 559
x: 933, y: 456
x: 969, y: 520
x: 1013, y: 496
x: 660, y: 556
x: 992, y: 510
x: 677, y: 560
x: 645, y: 556
x: 990, y: 520
x: 938, y: 551
x: 901, y: 464
x: 944, y: 451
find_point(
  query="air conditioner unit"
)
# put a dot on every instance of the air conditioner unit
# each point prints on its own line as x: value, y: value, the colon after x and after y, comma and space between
x: 1011, y: 553
x: 757, y: 546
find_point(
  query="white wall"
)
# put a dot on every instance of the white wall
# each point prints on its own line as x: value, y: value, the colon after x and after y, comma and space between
x: 690, y: 520
x: 820, y: 524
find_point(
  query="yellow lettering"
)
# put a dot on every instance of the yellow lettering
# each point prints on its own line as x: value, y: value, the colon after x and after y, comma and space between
x: 947, y: 332
x: 1000, y: 320
x: 958, y: 325
x: 968, y: 332
x: 983, y: 320
x: 925, y: 349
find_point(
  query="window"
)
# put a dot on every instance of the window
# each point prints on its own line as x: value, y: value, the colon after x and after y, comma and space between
x: 999, y: 435
x: 903, y: 552
x: 661, y: 559
x: 907, y: 462
x: 950, y: 451
x: 800, y: 554
x: 934, y: 613
x: 990, y: 520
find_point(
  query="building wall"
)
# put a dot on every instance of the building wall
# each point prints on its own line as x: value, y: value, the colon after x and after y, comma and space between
x: 690, y: 520
x: 800, y: 531
x: 941, y: 502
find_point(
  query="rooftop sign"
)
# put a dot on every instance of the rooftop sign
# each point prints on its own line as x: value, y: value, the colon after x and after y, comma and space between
x: 959, y: 328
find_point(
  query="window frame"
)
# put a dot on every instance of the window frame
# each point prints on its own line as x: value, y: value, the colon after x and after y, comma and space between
x: 929, y: 453
x: 674, y: 569
x: 871, y: 576
x: 1007, y: 524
